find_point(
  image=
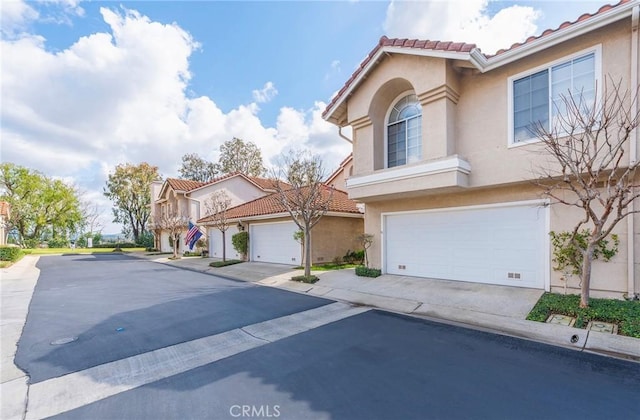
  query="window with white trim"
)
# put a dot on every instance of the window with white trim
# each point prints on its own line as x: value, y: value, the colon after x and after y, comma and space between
x: 404, y: 132
x: 537, y: 97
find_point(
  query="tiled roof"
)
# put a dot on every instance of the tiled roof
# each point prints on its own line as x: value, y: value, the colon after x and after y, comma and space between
x: 264, y: 183
x: 454, y: 47
x: 271, y: 204
x: 184, y: 184
x: 4, y: 208
x: 566, y: 24
x: 401, y: 43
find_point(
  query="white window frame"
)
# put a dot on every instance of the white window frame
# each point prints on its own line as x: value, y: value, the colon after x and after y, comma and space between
x: 597, y: 52
x: 386, y: 131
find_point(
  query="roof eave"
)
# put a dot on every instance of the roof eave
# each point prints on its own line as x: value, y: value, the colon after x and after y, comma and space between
x: 574, y: 30
x: 339, y: 118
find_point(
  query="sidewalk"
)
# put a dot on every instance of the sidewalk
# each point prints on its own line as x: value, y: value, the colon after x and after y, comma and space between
x: 499, y: 309
x: 18, y: 282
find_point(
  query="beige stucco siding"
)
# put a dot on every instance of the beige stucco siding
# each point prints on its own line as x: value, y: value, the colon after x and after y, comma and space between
x: 333, y: 236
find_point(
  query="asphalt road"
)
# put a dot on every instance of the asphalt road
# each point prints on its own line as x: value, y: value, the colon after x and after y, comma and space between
x: 373, y: 365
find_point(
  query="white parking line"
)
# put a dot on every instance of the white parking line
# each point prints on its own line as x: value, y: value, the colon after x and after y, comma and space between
x: 58, y: 395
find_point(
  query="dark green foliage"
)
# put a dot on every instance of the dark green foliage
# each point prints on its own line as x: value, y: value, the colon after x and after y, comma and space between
x: 58, y: 242
x: 568, y: 251
x: 10, y: 253
x: 305, y: 279
x: 354, y: 257
x: 217, y: 264
x: 145, y: 240
x: 240, y: 242
x: 624, y: 313
x: 363, y: 271
x: 192, y: 254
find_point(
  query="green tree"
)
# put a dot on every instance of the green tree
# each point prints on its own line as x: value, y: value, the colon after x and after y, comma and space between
x: 236, y: 155
x: 39, y: 204
x: 128, y: 189
x: 196, y: 168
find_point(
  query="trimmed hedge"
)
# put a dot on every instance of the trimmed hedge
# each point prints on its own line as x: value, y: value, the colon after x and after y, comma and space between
x: 10, y: 253
x: 363, y: 271
x: 217, y: 264
x: 625, y: 313
x: 305, y: 279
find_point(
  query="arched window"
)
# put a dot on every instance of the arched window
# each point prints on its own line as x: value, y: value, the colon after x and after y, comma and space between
x: 404, y: 132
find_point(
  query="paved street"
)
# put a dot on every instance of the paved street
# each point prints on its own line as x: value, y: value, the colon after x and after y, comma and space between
x: 155, y: 341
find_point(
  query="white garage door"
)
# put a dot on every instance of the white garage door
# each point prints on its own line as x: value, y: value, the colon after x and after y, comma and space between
x: 497, y: 245
x: 215, y: 241
x: 273, y: 242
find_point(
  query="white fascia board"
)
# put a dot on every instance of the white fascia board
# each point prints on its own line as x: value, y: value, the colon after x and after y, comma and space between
x: 561, y: 35
x: 408, y: 172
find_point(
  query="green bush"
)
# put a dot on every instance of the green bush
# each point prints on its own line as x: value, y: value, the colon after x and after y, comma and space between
x: 305, y: 279
x: 354, y: 257
x: 10, y: 253
x: 624, y: 313
x: 218, y: 264
x: 58, y: 242
x: 145, y: 240
x: 240, y: 242
x: 363, y: 271
x: 191, y: 254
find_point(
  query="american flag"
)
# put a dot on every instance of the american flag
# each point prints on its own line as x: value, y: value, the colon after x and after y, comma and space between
x: 192, y: 235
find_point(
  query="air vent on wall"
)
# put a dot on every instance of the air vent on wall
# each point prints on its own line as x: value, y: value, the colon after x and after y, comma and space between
x: 515, y: 276
x: 402, y: 267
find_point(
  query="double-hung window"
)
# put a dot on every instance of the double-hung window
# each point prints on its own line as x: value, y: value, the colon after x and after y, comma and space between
x: 404, y: 132
x: 537, y: 98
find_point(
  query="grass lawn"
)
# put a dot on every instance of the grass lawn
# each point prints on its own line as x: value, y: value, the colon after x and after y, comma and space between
x: 46, y: 251
x: 625, y: 313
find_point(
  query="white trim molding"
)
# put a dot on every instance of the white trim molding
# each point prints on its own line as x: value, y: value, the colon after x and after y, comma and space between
x: 448, y: 164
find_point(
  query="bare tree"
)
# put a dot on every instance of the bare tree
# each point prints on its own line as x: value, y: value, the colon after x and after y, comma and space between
x: 174, y: 224
x: 592, y: 169
x: 216, y: 208
x: 366, y: 240
x: 299, y: 187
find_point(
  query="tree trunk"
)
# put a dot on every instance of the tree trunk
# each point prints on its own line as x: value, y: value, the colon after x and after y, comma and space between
x: 224, y: 246
x: 175, y: 247
x: 307, y: 251
x: 586, y: 274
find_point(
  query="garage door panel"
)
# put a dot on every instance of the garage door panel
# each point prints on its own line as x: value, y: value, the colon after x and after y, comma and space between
x: 273, y: 242
x: 490, y: 245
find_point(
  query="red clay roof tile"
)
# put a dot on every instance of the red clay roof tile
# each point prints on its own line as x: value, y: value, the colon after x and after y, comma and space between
x: 271, y: 204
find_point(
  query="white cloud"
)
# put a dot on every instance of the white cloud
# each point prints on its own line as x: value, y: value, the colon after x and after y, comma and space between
x: 461, y: 21
x: 267, y: 93
x: 15, y: 16
x: 121, y: 96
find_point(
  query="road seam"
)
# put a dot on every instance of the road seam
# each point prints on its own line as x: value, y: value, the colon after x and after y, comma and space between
x: 76, y: 389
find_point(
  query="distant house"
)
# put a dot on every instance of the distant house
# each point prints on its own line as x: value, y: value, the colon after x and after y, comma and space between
x: 187, y: 199
x: 5, y: 214
x: 443, y: 154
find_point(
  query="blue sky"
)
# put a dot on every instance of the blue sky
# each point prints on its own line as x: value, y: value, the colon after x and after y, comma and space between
x: 88, y: 85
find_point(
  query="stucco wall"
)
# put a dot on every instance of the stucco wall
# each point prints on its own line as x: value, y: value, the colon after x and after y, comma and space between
x: 333, y: 236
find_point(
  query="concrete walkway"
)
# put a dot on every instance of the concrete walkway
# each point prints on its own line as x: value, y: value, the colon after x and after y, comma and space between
x: 500, y: 309
x: 17, y: 284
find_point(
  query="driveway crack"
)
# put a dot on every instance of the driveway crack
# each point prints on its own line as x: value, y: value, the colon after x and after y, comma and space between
x: 255, y: 336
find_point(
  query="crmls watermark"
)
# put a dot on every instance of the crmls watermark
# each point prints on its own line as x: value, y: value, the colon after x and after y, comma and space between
x: 259, y: 411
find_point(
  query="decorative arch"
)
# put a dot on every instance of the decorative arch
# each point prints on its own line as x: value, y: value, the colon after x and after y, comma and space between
x: 404, y: 131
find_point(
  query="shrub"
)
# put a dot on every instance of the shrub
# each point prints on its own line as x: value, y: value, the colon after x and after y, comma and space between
x: 145, y: 240
x: 191, y: 254
x: 58, y: 242
x: 217, y: 264
x: 363, y: 271
x: 624, y: 313
x: 10, y: 253
x: 567, y: 257
x: 240, y: 242
x: 305, y: 279
x: 354, y: 257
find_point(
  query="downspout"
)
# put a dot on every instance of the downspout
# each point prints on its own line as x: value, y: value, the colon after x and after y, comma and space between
x: 635, y: 15
x: 343, y: 136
